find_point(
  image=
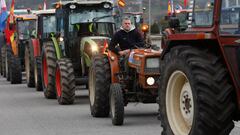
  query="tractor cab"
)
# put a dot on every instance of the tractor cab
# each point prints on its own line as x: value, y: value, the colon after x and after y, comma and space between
x: 46, y: 25
x: 25, y: 28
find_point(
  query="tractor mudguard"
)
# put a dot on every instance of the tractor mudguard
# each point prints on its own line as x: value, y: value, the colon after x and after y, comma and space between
x: 87, y: 59
x: 57, y: 48
x: 36, y: 47
x: 114, y: 66
x: 86, y: 45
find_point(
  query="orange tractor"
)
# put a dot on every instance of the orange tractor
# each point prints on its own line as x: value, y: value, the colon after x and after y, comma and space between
x: 114, y: 81
x: 199, y: 91
x: 23, y: 26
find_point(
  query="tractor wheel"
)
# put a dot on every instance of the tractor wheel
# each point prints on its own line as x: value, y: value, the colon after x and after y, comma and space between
x: 65, y: 82
x: 49, y: 59
x: 8, y: 56
x: 99, y: 83
x: 37, y: 74
x: 116, y: 104
x: 3, y: 61
x: 15, y: 70
x: 195, y: 96
x: 29, y: 65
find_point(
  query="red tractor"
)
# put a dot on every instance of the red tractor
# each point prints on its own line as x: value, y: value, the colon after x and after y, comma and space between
x: 45, y: 28
x: 199, y: 91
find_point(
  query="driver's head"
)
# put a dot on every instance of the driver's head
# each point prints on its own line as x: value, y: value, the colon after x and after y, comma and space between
x: 126, y: 24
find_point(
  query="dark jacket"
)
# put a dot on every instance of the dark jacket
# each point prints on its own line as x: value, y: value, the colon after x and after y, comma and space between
x: 126, y: 40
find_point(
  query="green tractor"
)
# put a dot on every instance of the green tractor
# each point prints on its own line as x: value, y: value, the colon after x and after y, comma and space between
x: 46, y: 27
x: 84, y: 29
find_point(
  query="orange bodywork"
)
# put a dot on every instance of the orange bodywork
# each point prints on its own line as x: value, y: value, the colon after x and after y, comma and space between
x: 137, y: 60
x: 139, y: 57
x: 113, y: 61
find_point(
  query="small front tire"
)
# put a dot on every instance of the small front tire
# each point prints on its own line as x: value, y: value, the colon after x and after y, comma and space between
x: 116, y: 104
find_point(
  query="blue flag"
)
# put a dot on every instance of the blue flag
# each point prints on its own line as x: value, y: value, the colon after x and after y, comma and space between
x: 3, y: 15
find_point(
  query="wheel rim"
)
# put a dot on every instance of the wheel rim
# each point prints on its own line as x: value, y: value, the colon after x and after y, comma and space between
x: 27, y: 64
x: 179, y: 103
x: 45, y: 71
x: 92, y: 81
x: 58, y: 82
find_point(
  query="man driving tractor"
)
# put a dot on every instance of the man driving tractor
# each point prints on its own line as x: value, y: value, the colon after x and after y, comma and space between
x: 128, y: 37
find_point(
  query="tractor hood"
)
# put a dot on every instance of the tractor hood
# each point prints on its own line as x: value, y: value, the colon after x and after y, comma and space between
x: 139, y: 58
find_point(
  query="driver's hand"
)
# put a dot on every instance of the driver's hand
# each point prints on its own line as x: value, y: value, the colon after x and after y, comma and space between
x: 124, y: 52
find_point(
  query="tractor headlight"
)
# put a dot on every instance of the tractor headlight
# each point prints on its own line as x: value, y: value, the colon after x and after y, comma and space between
x: 72, y: 6
x: 106, y: 5
x: 94, y: 48
x: 150, y: 81
x: 61, y: 39
x: 152, y: 63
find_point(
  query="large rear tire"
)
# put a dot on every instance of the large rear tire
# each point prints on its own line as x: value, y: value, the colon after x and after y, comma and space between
x: 195, y: 95
x: 37, y: 74
x: 49, y: 59
x: 99, y: 84
x: 15, y: 70
x: 29, y: 65
x: 116, y: 104
x: 65, y: 82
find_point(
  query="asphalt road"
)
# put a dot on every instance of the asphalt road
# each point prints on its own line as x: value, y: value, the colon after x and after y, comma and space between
x: 23, y: 111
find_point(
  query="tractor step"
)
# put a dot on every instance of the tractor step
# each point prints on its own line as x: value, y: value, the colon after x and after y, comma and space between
x: 81, y: 80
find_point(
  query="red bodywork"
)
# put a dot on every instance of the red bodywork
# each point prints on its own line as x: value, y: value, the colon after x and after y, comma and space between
x: 210, y: 36
x: 36, y: 47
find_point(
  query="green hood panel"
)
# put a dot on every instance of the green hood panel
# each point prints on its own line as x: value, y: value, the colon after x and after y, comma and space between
x: 87, y: 43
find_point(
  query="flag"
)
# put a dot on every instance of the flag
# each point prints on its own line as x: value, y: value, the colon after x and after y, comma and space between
x: 3, y: 15
x: 10, y: 32
x: 44, y: 5
x: 169, y: 8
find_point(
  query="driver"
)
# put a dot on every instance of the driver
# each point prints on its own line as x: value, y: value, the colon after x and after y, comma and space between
x: 128, y: 37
